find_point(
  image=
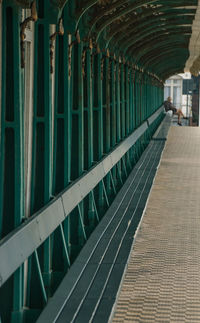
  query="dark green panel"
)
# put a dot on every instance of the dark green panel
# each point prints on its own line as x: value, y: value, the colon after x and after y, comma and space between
x: 9, y: 66
x: 59, y: 181
x: 39, y: 166
x: 75, y: 145
x: 9, y: 182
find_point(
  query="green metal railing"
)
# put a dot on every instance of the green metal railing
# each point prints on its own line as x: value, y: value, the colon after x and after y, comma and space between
x: 89, y: 128
x: 24, y: 244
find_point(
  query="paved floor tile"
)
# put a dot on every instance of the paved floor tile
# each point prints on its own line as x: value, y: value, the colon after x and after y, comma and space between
x: 162, y: 280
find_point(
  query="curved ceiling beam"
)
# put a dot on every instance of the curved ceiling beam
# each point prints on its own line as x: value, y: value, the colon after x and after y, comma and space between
x: 118, y: 13
x: 157, y: 32
x: 83, y: 9
x: 161, y: 63
x: 105, y: 11
x: 153, y: 23
x: 159, y: 47
x: 163, y: 49
x: 171, y: 70
x: 164, y: 56
x: 143, y: 33
x: 143, y: 19
x: 136, y: 48
x: 146, y: 31
x: 108, y: 21
x: 156, y: 43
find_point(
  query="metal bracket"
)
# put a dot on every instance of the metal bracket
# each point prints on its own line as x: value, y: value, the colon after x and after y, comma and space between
x: 70, y: 52
x: 109, y: 68
x: 102, y: 64
x: 23, y: 25
x: 52, y: 40
x: 92, y: 56
x: 83, y: 62
x: 119, y: 72
x: 115, y: 69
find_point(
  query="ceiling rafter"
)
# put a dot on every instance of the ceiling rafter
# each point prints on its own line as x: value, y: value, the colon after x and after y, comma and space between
x: 138, y: 29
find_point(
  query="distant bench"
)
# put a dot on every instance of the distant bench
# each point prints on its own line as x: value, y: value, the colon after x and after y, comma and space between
x: 89, y: 290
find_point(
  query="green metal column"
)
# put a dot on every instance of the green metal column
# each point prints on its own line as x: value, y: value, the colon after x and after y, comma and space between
x: 12, y: 152
x: 113, y: 110
x: 61, y: 151
x: 87, y: 61
x: 77, y: 147
x: 113, y: 102
x: 131, y: 101
x: 98, y: 108
x: 118, y: 98
x: 41, y: 189
x: 98, y: 127
x: 122, y: 90
x: 107, y: 106
x: 77, y: 161
x: 127, y: 82
x: 62, y: 117
x: 88, y: 109
x: 136, y: 92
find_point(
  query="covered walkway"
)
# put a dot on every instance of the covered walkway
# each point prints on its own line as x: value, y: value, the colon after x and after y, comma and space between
x: 162, y: 281
x: 81, y: 104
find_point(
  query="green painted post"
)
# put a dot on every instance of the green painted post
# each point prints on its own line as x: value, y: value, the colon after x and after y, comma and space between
x: 127, y: 82
x: 118, y: 113
x: 98, y: 63
x: 107, y: 107
x: 150, y: 96
x: 131, y: 124
x: 113, y: 112
x: 67, y: 122
x: 42, y: 138
x: 88, y: 128
x: 62, y: 148
x: 19, y: 161
x: 118, y: 119
x: 142, y: 96
x: 113, y: 102
x: 136, y: 99
x: 80, y: 111
x: 122, y: 102
x: 89, y: 107
x: 106, y: 115
x: 77, y: 147
x: 127, y: 109
x: 59, y: 124
x: 100, y: 107
x: 80, y: 131
x: 99, y: 76
x: 12, y: 152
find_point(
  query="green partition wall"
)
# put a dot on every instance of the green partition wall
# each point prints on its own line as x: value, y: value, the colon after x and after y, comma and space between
x: 97, y: 76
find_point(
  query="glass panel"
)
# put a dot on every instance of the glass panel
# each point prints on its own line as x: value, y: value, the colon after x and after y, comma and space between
x: 168, y: 81
x: 166, y: 92
x: 177, y: 96
x: 178, y: 82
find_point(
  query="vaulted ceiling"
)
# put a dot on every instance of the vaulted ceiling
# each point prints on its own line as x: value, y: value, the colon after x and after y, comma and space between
x: 154, y: 35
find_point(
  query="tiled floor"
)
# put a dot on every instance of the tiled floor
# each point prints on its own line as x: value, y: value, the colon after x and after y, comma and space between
x: 162, y: 281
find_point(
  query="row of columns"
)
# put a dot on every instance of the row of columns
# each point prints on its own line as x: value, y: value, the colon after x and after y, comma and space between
x: 83, y: 109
